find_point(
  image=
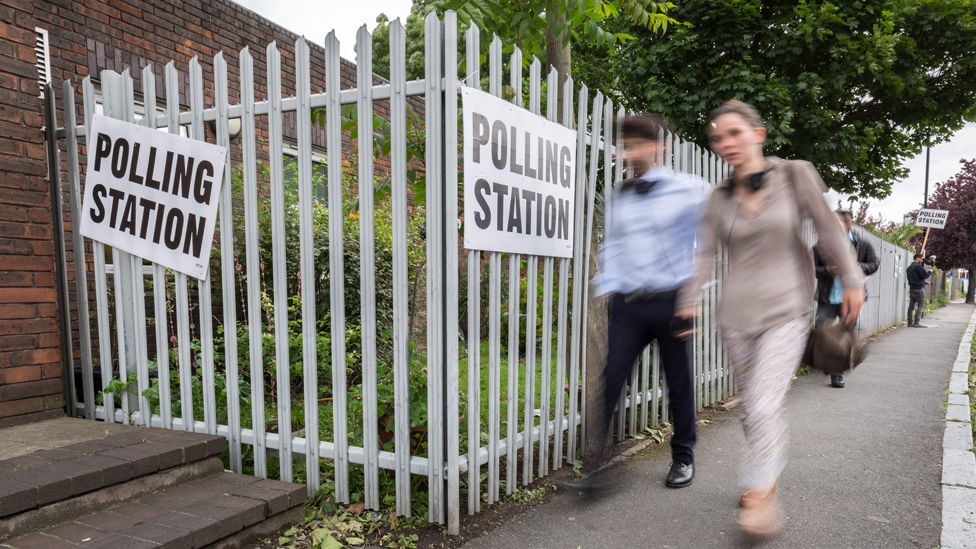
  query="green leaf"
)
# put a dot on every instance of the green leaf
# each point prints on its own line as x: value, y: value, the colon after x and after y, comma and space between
x: 322, y: 539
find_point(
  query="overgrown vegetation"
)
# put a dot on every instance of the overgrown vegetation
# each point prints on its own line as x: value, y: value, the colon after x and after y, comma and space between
x: 940, y: 300
x: 327, y: 526
x: 972, y: 388
x: 857, y: 88
x: 268, y: 361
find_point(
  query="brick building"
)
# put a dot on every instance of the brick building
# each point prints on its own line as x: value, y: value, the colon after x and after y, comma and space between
x: 70, y: 39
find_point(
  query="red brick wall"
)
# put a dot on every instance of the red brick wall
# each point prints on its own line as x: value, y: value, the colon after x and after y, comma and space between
x: 30, y: 353
x: 90, y: 36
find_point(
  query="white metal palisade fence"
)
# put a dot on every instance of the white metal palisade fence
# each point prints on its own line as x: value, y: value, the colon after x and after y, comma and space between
x: 887, y: 292
x: 545, y: 377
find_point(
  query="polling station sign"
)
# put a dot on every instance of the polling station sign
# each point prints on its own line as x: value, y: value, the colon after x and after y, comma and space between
x: 152, y: 194
x: 935, y: 219
x: 519, y: 179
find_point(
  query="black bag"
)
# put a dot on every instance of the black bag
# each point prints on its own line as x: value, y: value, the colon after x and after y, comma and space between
x: 834, y: 349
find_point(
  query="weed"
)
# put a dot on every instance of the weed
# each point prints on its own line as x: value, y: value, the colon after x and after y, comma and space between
x: 578, y: 469
x: 530, y: 495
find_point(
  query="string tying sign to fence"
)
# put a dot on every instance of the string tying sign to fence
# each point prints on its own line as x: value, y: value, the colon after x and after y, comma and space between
x: 152, y: 194
x: 519, y: 179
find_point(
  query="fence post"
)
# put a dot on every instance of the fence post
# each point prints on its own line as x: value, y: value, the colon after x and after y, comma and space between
x: 434, y: 240
x: 451, y: 274
x: 60, y: 267
x: 113, y: 93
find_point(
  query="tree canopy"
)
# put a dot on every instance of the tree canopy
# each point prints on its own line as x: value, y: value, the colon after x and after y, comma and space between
x: 856, y: 87
x: 542, y: 28
x: 955, y: 245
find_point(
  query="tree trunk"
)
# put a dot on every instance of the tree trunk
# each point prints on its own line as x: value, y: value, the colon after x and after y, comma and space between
x: 557, y: 46
x: 558, y: 55
x: 597, y: 330
x: 971, y: 290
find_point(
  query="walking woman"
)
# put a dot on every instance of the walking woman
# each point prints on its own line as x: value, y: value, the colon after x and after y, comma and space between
x: 767, y: 297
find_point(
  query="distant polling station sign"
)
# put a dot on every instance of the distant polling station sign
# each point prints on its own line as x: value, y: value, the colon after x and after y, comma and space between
x: 152, y: 194
x: 934, y: 219
x: 519, y: 179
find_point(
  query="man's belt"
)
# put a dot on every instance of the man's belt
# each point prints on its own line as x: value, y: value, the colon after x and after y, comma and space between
x: 645, y: 295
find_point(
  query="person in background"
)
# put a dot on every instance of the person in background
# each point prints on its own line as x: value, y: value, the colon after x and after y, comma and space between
x: 830, y: 288
x: 916, y: 275
x: 646, y: 257
x: 767, y: 295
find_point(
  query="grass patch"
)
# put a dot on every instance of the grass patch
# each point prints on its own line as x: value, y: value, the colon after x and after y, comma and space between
x: 503, y: 373
x: 972, y: 388
x: 937, y: 303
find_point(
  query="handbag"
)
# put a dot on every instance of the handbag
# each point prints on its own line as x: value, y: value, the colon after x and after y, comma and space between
x: 834, y: 348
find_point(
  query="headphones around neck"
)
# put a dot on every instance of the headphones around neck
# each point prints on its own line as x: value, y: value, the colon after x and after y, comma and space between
x: 755, y: 181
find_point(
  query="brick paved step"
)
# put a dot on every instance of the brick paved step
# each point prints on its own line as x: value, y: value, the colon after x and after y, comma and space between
x: 48, y: 476
x: 223, y: 509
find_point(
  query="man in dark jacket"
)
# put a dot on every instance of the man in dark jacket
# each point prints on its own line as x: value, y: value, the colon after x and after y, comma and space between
x: 916, y: 275
x: 829, y: 289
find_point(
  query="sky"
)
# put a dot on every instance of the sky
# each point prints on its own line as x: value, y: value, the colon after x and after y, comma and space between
x: 907, y: 194
x: 315, y: 18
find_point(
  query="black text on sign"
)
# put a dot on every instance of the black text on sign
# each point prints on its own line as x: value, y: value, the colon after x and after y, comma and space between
x: 152, y: 194
x: 519, y: 179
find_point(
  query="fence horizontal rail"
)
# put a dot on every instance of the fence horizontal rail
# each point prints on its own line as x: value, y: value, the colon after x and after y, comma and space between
x: 348, y: 96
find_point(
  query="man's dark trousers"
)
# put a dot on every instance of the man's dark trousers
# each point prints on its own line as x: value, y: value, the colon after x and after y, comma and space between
x: 916, y: 304
x: 635, y: 321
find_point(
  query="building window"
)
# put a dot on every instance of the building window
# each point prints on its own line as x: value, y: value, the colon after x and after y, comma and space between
x: 320, y: 173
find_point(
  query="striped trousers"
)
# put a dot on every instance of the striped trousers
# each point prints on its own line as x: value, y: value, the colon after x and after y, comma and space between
x: 764, y: 365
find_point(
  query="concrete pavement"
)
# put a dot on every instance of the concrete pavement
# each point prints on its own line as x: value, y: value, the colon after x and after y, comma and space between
x: 864, y: 471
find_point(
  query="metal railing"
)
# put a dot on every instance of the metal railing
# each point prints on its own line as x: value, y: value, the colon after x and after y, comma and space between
x: 544, y: 378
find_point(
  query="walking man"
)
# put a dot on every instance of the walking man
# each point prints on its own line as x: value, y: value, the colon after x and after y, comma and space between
x: 916, y: 275
x: 646, y: 257
x: 830, y: 290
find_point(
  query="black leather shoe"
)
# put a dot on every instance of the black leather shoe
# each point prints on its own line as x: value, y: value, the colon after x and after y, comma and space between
x: 680, y: 475
x: 837, y: 381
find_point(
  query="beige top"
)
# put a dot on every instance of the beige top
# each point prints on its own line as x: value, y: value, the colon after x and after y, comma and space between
x: 770, y: 279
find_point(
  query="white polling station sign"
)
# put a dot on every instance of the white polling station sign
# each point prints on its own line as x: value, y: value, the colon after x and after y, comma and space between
x: 935, y: 219
x: 152, y: 194
x: 519, y: 179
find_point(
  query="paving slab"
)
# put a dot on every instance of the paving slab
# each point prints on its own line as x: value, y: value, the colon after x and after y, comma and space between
x: 958, y: 458
x: 961, y: 400
x: 959, y: 507
x: 170, y: 518
x: 24, y: 439
x: 958, y: 436
x: 959, y: 468
x: 75, y: 456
